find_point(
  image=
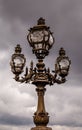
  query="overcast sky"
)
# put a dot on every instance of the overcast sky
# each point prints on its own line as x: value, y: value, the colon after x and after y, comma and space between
x: 18, y: 101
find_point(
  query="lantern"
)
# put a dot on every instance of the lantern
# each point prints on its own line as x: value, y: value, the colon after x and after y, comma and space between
x: 62, y: 64
x: 40, y: 39
x: 17, y: 61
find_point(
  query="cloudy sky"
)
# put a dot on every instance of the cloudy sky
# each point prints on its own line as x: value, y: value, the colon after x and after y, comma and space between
x: 18, y: 101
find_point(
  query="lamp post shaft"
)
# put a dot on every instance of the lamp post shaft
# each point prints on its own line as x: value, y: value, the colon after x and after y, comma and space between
x: 41, y: 105
x: 41, y: 117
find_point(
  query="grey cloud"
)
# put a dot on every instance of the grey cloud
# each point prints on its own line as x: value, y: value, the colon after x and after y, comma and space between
x: 65, y: 106
x: 14, y: 120
x: 63, y: 16
x: 65, y: 19
x: 25, y: 10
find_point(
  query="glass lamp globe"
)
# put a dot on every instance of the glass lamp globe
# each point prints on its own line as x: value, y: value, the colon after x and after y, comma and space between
x: 64, y: 66
x: 64, y: 63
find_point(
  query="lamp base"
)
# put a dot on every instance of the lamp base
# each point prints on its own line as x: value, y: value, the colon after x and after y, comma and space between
x: 41, y: 128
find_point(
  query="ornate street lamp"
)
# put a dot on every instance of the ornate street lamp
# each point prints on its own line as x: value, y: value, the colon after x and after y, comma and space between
x: 41, y: 40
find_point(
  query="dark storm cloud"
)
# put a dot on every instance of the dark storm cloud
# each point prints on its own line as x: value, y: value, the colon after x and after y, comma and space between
x: 14, y: 120
x: 64, y: 17
x: 27, y: 9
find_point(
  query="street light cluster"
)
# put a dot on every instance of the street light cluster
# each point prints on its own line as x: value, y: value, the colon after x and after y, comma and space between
x: 41, y: 40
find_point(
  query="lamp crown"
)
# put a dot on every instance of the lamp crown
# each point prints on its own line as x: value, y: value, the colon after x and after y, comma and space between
x: 61, y: 51
x: 18, y: 49
x: 41, y: 21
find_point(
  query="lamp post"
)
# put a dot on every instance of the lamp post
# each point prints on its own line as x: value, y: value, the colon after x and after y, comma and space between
x: 41, y: 40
